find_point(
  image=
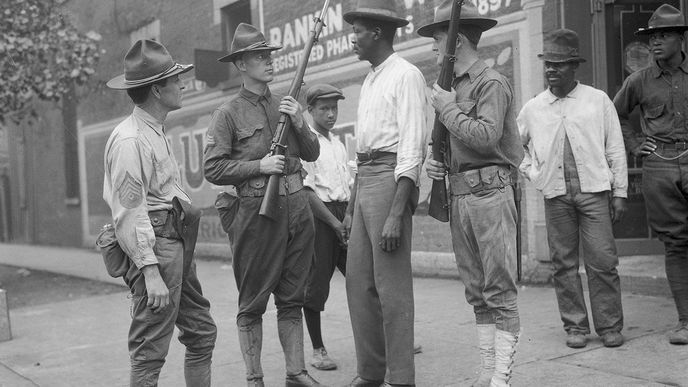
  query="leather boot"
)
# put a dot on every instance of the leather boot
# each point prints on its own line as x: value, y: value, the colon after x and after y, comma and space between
x: 251, y: 343
x: 505, y: 348
x: 486, y: 345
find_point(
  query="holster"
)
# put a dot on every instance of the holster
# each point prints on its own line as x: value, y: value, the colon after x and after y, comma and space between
x: 181, y: 222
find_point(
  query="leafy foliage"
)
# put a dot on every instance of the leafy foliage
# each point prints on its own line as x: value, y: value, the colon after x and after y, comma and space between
x: 42, y: 54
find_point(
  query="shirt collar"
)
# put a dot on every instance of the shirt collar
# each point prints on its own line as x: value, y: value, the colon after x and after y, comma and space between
x: 384, y: 63
x: 253, y: 97
x: 473, y: 72
x: 318, y: 134
x: 151, y: 121
x: 551, y: 98
x: 657, y: 71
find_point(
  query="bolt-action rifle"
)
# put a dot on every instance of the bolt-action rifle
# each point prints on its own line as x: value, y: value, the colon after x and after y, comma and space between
x: 439, y: 207
x: 268, y: 207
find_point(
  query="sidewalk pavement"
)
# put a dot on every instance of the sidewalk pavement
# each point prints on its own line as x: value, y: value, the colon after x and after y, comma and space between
x: 83, y: 342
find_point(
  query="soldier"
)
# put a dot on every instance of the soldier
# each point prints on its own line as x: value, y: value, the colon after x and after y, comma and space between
x: 574, y: 154
x: 661, y: 92
x: 390, y: 135
x: 484, y: 152
x: 142, y: 187
x: 269, y: 256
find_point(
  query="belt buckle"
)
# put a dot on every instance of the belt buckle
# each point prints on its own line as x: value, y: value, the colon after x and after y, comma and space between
x: 364, y: 157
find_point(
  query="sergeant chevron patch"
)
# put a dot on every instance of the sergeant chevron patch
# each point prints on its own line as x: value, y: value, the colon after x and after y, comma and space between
x: 130, y: 192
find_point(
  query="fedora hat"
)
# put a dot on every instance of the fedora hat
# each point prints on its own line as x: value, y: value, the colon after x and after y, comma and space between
x: 146, y: 62
x: 561, y: 46
x: 322, y: 91
x: 247, y: 38
x: 385, y: 10
x: 664, y: 18
x: 469, y: 16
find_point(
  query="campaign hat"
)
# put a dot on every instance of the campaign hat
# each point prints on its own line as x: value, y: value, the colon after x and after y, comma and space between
x: 247, y: 38
x: 146, y: 62
x: 385, y: 10
x: 322, y: 91
x: 561, y: 45
x: 469, y: 16
x: 664, y: 18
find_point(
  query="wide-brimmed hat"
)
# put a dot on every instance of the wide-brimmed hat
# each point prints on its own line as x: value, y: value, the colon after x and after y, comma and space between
x: 561, y: 46
x: 146, y: 62
x: 247, y: 38
x: 664, y: 18
x: 469, y: 16
x: 322, y: 91
x: 385, y: 10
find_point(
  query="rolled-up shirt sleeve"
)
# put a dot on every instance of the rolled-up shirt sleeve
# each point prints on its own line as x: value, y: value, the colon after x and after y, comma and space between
x: 128, y: 201
x: 412, y: 121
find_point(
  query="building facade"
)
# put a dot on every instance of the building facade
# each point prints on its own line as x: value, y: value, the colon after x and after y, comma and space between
x: 200, y: 32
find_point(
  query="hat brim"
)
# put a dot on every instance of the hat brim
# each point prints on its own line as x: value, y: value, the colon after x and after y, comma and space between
x: 120, y: 83
x: 349, y: 17
x: 233, y: 56
x: 552, y: 59
x: 428, y: 30
x: 331, y: 95
x: 650, y: 30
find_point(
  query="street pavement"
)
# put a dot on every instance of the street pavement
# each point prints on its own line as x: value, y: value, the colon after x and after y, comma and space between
x: 83, y: 342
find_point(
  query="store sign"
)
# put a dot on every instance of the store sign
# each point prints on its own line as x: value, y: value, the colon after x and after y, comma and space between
x: 293, y: 30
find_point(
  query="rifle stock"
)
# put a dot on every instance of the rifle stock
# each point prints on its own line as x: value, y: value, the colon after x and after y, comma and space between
x: 438, y: 207
x: 269, y: 205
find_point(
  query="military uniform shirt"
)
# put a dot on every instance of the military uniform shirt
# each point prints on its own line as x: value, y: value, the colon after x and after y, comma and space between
x: 663, y: 100
x: 240, y: 134
x: 482, y: 121
x: 141, y: 175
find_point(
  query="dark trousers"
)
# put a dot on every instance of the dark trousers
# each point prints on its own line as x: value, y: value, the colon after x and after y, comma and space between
x: 379, y: 284
x: 272, y: 257
x: 665, y: 188
x: 329, y: 255
x: 150, y: 334
x: 483, y: 227
x: 584, y: 219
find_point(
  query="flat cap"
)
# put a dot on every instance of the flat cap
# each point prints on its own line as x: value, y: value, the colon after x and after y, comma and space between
x: 322, y: 90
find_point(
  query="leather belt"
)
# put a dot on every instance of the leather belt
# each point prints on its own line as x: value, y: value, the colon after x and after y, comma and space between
x: 372, y: 155
x: 477, y: 180
x: 255, y: 187
x: 163, y: 223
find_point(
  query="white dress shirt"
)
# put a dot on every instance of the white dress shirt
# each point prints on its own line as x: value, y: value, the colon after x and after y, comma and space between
x: 588, y: 118
x: 392, y: 115
x: 329, y: 175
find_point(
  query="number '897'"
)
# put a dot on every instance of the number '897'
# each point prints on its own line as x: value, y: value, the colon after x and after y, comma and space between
x: 486, y: 6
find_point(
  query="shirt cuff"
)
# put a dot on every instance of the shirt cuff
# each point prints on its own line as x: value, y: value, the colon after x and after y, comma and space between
x: 619, y: 193
x: 148, y: 258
